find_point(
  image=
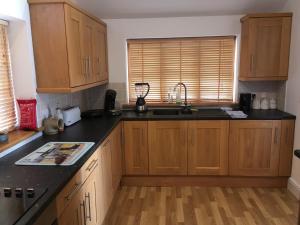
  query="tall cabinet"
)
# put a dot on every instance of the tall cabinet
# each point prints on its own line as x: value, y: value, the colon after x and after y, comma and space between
x: 70, y: 47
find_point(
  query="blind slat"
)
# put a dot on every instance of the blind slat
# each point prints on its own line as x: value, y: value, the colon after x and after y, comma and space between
x: 205, y: 65
x: 8, y: 119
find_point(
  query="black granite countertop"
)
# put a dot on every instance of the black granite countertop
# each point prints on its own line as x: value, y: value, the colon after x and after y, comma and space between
x: 209, y: 114
x: 54, y: 178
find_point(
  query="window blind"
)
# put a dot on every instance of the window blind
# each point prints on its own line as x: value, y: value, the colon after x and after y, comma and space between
x: 8, y: 119
x: 205, y: 65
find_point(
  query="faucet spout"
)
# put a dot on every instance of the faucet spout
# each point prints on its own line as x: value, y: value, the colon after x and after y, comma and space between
x: 185, y: 92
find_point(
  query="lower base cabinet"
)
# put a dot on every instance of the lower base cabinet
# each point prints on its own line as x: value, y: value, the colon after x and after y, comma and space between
x: 83, y: 206
x: 254, y: 148
x: 208, y: 147
x: 88, y: 196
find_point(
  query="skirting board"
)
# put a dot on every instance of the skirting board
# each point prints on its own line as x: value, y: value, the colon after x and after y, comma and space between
x: 222, y: 181
x: 294, y: 188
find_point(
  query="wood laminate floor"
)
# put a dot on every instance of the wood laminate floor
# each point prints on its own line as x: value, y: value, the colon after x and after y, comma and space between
x: 203, y: 206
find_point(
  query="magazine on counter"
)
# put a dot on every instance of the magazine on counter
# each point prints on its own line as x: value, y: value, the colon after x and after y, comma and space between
x: 56, y: 153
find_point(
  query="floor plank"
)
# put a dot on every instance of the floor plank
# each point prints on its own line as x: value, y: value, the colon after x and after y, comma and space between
x: 202, y: 206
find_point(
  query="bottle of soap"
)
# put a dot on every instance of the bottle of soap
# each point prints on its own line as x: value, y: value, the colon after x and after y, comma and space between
x: 178, y: 97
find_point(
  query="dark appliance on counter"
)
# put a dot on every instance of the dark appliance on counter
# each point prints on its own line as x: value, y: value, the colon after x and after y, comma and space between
x: 15, y: 202
x: 141, y: 91
x: 245, y: 102
x: 110, y: 100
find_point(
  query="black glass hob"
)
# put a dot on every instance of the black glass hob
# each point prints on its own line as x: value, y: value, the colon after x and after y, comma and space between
x: 15, y: 202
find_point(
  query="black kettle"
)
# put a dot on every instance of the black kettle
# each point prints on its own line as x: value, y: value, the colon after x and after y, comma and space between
x: 140, y: 89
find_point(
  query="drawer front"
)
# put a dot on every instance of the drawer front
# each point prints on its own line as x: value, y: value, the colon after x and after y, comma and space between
x: 69, y: 191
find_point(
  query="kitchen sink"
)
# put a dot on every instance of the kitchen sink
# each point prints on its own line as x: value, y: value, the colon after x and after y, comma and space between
x: 166, y: 112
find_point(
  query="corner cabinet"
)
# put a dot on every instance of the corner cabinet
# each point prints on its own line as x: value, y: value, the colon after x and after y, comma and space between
x: 265, y: 46
x: 70, y: 47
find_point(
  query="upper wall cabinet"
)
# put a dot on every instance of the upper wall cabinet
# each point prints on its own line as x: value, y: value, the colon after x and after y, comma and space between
x: 70, y: 47
x: 265, y: 46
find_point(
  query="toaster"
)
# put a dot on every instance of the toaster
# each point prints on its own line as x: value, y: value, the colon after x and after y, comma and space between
x: 71, y: 115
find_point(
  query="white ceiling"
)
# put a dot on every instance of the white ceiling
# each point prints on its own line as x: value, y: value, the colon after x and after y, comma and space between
x: 115, y: 9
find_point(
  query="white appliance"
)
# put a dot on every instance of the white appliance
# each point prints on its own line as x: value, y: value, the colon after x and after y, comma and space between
x: 71, y: 115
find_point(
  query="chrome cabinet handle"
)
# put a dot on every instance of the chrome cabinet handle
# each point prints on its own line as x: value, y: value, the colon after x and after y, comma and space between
x: 87, y: 196
x: 276, y: 136
x: 82, y: 205
x: 74, y: 191
x: 251, y: 62
x: 92, y: 164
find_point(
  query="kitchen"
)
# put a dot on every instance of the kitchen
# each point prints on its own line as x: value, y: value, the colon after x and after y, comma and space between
x: 197, y: 121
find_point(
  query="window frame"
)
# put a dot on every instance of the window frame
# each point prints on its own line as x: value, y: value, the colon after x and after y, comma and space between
x: 176, y: 39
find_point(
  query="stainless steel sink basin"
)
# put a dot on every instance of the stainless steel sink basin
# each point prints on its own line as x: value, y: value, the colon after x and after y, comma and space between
x: 166, y: 112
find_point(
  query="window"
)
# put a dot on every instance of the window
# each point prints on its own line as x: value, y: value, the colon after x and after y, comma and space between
x: 205, y: 65
x: 8, y: 117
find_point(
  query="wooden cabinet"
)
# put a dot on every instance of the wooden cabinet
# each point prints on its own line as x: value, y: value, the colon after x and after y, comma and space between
x: 107, y: 192
x: 254, y: 148
x: 70, y: 47
x: 74, y: 213
x: 167, y: 147
x: 208, y: 147
x: 286, y: 147
x: 265, y: 46
x: 82, y: 205
x: 100, y: 65
x: 136, y: 158
x: 116, y: 157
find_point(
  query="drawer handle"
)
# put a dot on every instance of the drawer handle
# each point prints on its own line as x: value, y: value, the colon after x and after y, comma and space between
x: 82, y: 205
x: 73, y: 192
x: 92, y: 164
x: 87, y: 196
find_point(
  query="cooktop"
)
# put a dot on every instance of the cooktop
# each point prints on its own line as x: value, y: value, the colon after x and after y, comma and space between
x: 15, y: 202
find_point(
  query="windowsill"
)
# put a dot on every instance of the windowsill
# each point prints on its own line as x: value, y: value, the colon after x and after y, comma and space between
x: 15, y: 137
x: 173, y: 105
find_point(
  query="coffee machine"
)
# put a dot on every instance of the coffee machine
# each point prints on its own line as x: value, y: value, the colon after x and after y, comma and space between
x: 246, y: 101
x: 141, y: 90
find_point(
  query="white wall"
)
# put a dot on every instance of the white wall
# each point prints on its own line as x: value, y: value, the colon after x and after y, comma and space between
x: 293, y: 94
x: 16, y: 12
x: 119, y: 30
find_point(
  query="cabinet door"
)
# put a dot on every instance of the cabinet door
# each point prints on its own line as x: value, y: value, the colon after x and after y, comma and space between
x: 107, y: 190
x: 254, y: 148
x: 77, y: 61
x: 286, y: 147
x: 167, y: 147
x: 87, y: 46
x: 136, y: 147
x: 116, y: 155
x: 74, y: 213
x: 208, y: 147
x: 90, y: 191
x: 269, y: 41
x: 100, y: 69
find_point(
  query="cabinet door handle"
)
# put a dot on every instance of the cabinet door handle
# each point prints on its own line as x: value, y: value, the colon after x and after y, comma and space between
x: 74, y: 191
x: 87, y: 196
x: 82, y: 205
x: 90, y: 65
x: 92, y: 164
x: 276, y: 136
x: 251, y: 62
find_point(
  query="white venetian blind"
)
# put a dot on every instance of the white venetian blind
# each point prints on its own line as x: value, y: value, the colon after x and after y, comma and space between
x: 8, y: 117
x: 205, y: 65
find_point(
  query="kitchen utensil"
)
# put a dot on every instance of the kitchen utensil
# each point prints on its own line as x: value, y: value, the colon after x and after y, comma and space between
x: 140, y: 90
